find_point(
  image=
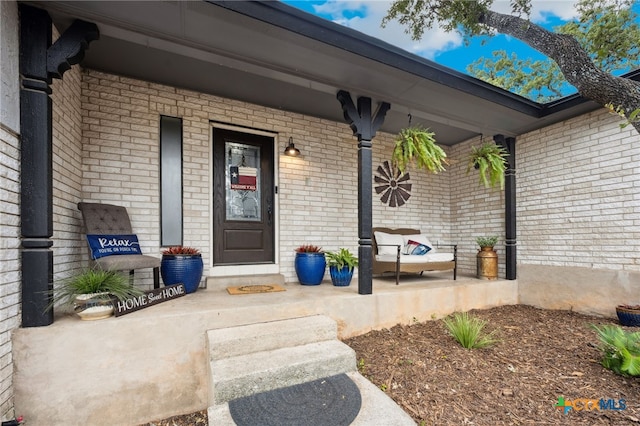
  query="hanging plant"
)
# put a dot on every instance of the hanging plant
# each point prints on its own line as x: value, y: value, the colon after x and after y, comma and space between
x: 491, y: 162
x: 416, y: 146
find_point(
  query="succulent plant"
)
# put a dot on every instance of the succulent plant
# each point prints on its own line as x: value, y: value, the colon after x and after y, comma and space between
x: 181, y: 250
x: 308, y: 248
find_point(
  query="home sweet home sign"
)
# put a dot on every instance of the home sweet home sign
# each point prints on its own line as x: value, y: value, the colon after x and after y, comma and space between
x: 148, y: 298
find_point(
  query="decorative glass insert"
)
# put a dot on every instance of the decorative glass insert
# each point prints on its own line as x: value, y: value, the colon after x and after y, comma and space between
x: 242, y: 182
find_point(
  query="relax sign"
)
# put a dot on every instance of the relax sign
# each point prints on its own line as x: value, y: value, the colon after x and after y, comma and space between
x: 108, y: 245
x: 149, y: 298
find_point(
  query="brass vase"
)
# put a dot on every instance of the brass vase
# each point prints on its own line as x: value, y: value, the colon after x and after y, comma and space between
x: 487, y: 263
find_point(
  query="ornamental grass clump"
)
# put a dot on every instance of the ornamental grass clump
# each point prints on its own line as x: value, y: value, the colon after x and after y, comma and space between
x: 469, y: 331
x: 620, y: 349
x: 94, y: 281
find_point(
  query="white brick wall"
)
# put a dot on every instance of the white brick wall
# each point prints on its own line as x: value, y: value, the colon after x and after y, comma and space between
x: 9, y: 262
x: 120, y: 151
x: 428, y: 208
x: 69, y: 250
x: 9, y: 200
x: 579, y: 194
x: 578, y: 197
x: 318, y: 191
x: 475, y: 210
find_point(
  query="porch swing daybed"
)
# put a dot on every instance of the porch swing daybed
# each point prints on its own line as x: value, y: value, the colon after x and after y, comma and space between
x: 395, y: 250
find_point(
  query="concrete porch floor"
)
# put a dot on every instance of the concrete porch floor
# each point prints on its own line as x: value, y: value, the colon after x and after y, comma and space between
x: 153, y: 363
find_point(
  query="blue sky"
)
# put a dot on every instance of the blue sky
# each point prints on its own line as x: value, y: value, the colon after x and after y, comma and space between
x: 444, y: 48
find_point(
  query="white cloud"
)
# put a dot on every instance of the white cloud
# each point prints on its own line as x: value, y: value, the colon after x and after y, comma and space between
x: 563, y: 9
x: 366, y: 16
x: 368, y: 20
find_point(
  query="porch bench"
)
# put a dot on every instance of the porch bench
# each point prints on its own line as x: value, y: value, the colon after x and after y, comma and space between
x: 388, y: 253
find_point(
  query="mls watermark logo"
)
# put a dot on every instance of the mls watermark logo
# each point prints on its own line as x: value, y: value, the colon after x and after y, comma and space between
x: 584, y: 404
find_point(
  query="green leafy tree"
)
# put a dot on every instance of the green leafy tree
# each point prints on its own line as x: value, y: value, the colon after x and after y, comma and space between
x: 585, y: 52
x: 540, y: 80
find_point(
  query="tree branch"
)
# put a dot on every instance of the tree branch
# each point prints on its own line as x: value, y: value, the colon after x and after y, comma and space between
x: 573, y: 61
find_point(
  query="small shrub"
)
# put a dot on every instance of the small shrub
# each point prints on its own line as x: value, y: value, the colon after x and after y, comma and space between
x: 469, y: 331
x: 620, y: 349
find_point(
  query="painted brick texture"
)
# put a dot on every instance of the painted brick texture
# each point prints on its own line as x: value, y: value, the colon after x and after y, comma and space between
x: 9, y: 262
x: 9, y: 201
x: 577, y: 197
x: 475, y: 210
x: 317, y: 191
x: 69, y: 249
x: 579, y: 194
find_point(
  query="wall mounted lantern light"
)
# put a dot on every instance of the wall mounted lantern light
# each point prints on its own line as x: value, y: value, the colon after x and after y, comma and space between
x: 291, y: 149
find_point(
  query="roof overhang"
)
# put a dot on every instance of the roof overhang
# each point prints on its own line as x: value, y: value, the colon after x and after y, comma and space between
x: 271, y: 54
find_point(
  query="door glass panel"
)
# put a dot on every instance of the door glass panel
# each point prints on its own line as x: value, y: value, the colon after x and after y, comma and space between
x: 242, y: 182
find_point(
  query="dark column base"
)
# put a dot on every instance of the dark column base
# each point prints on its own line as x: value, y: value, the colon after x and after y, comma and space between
x: 37, y: 284
x: 365, y: 268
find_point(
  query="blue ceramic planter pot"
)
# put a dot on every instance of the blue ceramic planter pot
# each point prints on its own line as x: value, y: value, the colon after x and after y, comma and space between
x: 310, y: 268
x: 628, y: 317
x: 341, y: 277
x: 182, y: 268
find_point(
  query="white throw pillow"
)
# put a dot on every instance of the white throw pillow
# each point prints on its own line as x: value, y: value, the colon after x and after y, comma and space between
x: 420, y: 238
x: 385, y: 238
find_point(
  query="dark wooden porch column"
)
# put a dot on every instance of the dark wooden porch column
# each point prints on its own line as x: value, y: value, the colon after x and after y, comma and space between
x: 40, y: 61
x: 364, y: 125
x: 510, y: 237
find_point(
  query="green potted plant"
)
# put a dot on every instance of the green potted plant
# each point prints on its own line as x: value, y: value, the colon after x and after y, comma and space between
x: 491, y: 162
x: 90, y: 293
x: 182, y: 265
x: 310, y: 264
x: 341, y: 265
x: 416, y: 144
x: 487, y: 242
x: 487, y: 258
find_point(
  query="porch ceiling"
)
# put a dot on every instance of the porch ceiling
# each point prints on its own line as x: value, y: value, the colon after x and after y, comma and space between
x: 274, y: 55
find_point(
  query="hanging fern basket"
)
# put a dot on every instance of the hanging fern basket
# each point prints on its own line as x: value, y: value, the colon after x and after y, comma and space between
x: 416, y: 146
x: 491, y: 162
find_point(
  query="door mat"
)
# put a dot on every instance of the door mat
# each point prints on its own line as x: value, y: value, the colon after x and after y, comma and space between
x: 249, y: 289
x: 332, y: 401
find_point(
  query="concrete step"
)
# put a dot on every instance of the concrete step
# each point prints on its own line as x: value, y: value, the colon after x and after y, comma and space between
x: 377, y: 408
x: 222, y: 282
x: 246, y: 375
x: 247, y: 339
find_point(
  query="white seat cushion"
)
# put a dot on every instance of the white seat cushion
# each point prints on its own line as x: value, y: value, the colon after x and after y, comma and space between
x: 408, y: 258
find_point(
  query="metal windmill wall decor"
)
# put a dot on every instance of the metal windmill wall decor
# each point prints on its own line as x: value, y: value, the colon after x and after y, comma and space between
x: 393, y: 185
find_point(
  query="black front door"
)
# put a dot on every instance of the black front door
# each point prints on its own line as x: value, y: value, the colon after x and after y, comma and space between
x: 243, y: 196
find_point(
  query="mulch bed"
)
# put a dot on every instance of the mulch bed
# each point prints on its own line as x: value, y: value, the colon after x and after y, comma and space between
x: 542, y: 355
